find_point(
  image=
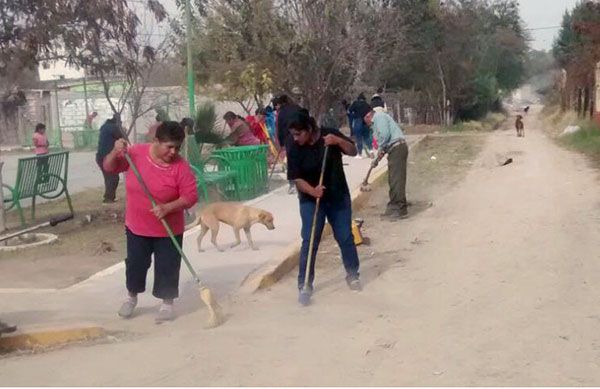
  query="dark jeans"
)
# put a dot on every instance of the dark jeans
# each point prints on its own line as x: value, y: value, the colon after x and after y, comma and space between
x: 339, y: 215
x: 397, y: 178
x: 362, y: 134
x: 111, y: 182
x: 167, y: 263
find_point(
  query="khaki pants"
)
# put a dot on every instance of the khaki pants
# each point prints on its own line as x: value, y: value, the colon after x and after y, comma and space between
x: 397, y: 159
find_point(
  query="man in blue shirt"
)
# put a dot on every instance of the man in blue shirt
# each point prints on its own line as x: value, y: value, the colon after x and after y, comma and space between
x: 109, y: 133
x: 391, y: 140
x: 360, y: 129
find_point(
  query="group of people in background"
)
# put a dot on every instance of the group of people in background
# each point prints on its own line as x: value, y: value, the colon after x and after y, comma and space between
x: 290, y: 131
x: 359, y: 129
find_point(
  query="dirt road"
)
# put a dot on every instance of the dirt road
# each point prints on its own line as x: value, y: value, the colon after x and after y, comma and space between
x: 496, y: 284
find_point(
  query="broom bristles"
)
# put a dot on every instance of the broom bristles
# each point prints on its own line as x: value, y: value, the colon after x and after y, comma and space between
x: 216, y: 317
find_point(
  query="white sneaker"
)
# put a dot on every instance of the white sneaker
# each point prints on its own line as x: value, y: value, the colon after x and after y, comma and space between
x: 127, y: 308
x: 165, y: 313
x: 358, y: 156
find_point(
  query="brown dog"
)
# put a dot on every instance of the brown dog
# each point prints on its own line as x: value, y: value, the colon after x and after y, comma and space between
x: 237, y: 215
x: 519, y: 126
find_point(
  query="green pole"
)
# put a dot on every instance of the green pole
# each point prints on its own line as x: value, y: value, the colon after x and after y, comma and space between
x: 85, y: 94
x: 58, y: 135
x: 190, y: 70
x: 168, y: 104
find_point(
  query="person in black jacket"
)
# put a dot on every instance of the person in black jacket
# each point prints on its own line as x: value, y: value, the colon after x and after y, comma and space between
x: 360, y: 130
x: 305, y: 155
x: 109, y: 133
x: 285, y: 113
x: 286, y: 110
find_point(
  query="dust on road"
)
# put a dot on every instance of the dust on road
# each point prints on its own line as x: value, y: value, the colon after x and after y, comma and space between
x: 495, y: 284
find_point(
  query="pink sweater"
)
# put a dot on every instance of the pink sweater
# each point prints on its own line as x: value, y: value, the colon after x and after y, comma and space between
x: 166, y: 183
x: 40, y: 142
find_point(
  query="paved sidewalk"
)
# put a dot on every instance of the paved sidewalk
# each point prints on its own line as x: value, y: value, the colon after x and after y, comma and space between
x: 97, y: 299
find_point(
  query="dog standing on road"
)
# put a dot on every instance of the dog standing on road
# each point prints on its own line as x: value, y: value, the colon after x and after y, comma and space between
x: 519, y: 126
x: 237, y: 215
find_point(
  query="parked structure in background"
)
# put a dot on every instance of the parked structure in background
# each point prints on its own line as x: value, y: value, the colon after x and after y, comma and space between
x: 63, y: 110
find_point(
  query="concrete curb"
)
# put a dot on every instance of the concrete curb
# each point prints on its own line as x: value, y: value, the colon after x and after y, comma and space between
x: 43, y: 338
x: 271, y: 272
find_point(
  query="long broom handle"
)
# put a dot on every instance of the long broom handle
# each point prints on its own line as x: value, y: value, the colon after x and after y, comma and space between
x: 366, y: 180
x: 314, y: 221
x: 163, y: 221
x: 275, y: 164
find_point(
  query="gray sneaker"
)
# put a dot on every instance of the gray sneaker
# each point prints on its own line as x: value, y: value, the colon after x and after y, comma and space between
x: 395, y: 215
x: 354, y: 284
x: 304, y: 295
x: 165, y: 313
x: 127, y: 308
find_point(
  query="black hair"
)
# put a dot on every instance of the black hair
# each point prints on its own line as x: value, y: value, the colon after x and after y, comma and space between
x: 377, y: 101
x: 260, y: 111
x: 302, y: 121
x: 361, y: 96
x: 229, y: 115
x: 40, y: 126
x: 187, y: 123
x: 284, y: 99
x: 157, y: 118
x: 170, y: 132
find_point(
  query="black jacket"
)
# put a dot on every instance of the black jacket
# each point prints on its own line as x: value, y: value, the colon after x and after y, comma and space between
x: 359, y: 109
x: 285, y: 115
x: 109, y: 133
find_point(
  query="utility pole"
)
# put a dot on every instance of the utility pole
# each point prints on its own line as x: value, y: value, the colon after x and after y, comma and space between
x: 190, y: 70
x: 85, y: 94
x: 58, y: 134
x: 2, y: 214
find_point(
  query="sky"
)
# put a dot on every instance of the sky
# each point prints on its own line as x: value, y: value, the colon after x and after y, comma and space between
x: 544, y: 13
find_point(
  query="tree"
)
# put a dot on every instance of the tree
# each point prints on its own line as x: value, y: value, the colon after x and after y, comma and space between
x: 467, y: 52
x: 238, y: 46
x: 306, y: 48
x: 326, y: 53
x: 576, y: 50
x: 99, y: 36
x: 34, y: 31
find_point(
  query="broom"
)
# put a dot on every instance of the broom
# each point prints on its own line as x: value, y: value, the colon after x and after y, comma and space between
x: 305, y: 293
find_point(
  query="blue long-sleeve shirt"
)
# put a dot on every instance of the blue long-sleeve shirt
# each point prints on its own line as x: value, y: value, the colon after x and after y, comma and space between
x: 385, y: 129
x: 109, y: 133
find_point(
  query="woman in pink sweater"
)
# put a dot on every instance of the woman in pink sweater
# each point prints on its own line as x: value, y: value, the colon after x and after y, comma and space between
x: 40, y: 140
x: 173, y: 185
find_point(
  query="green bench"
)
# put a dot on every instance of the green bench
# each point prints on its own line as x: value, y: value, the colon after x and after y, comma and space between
x: 44, y: 176
x: 210, y: 172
